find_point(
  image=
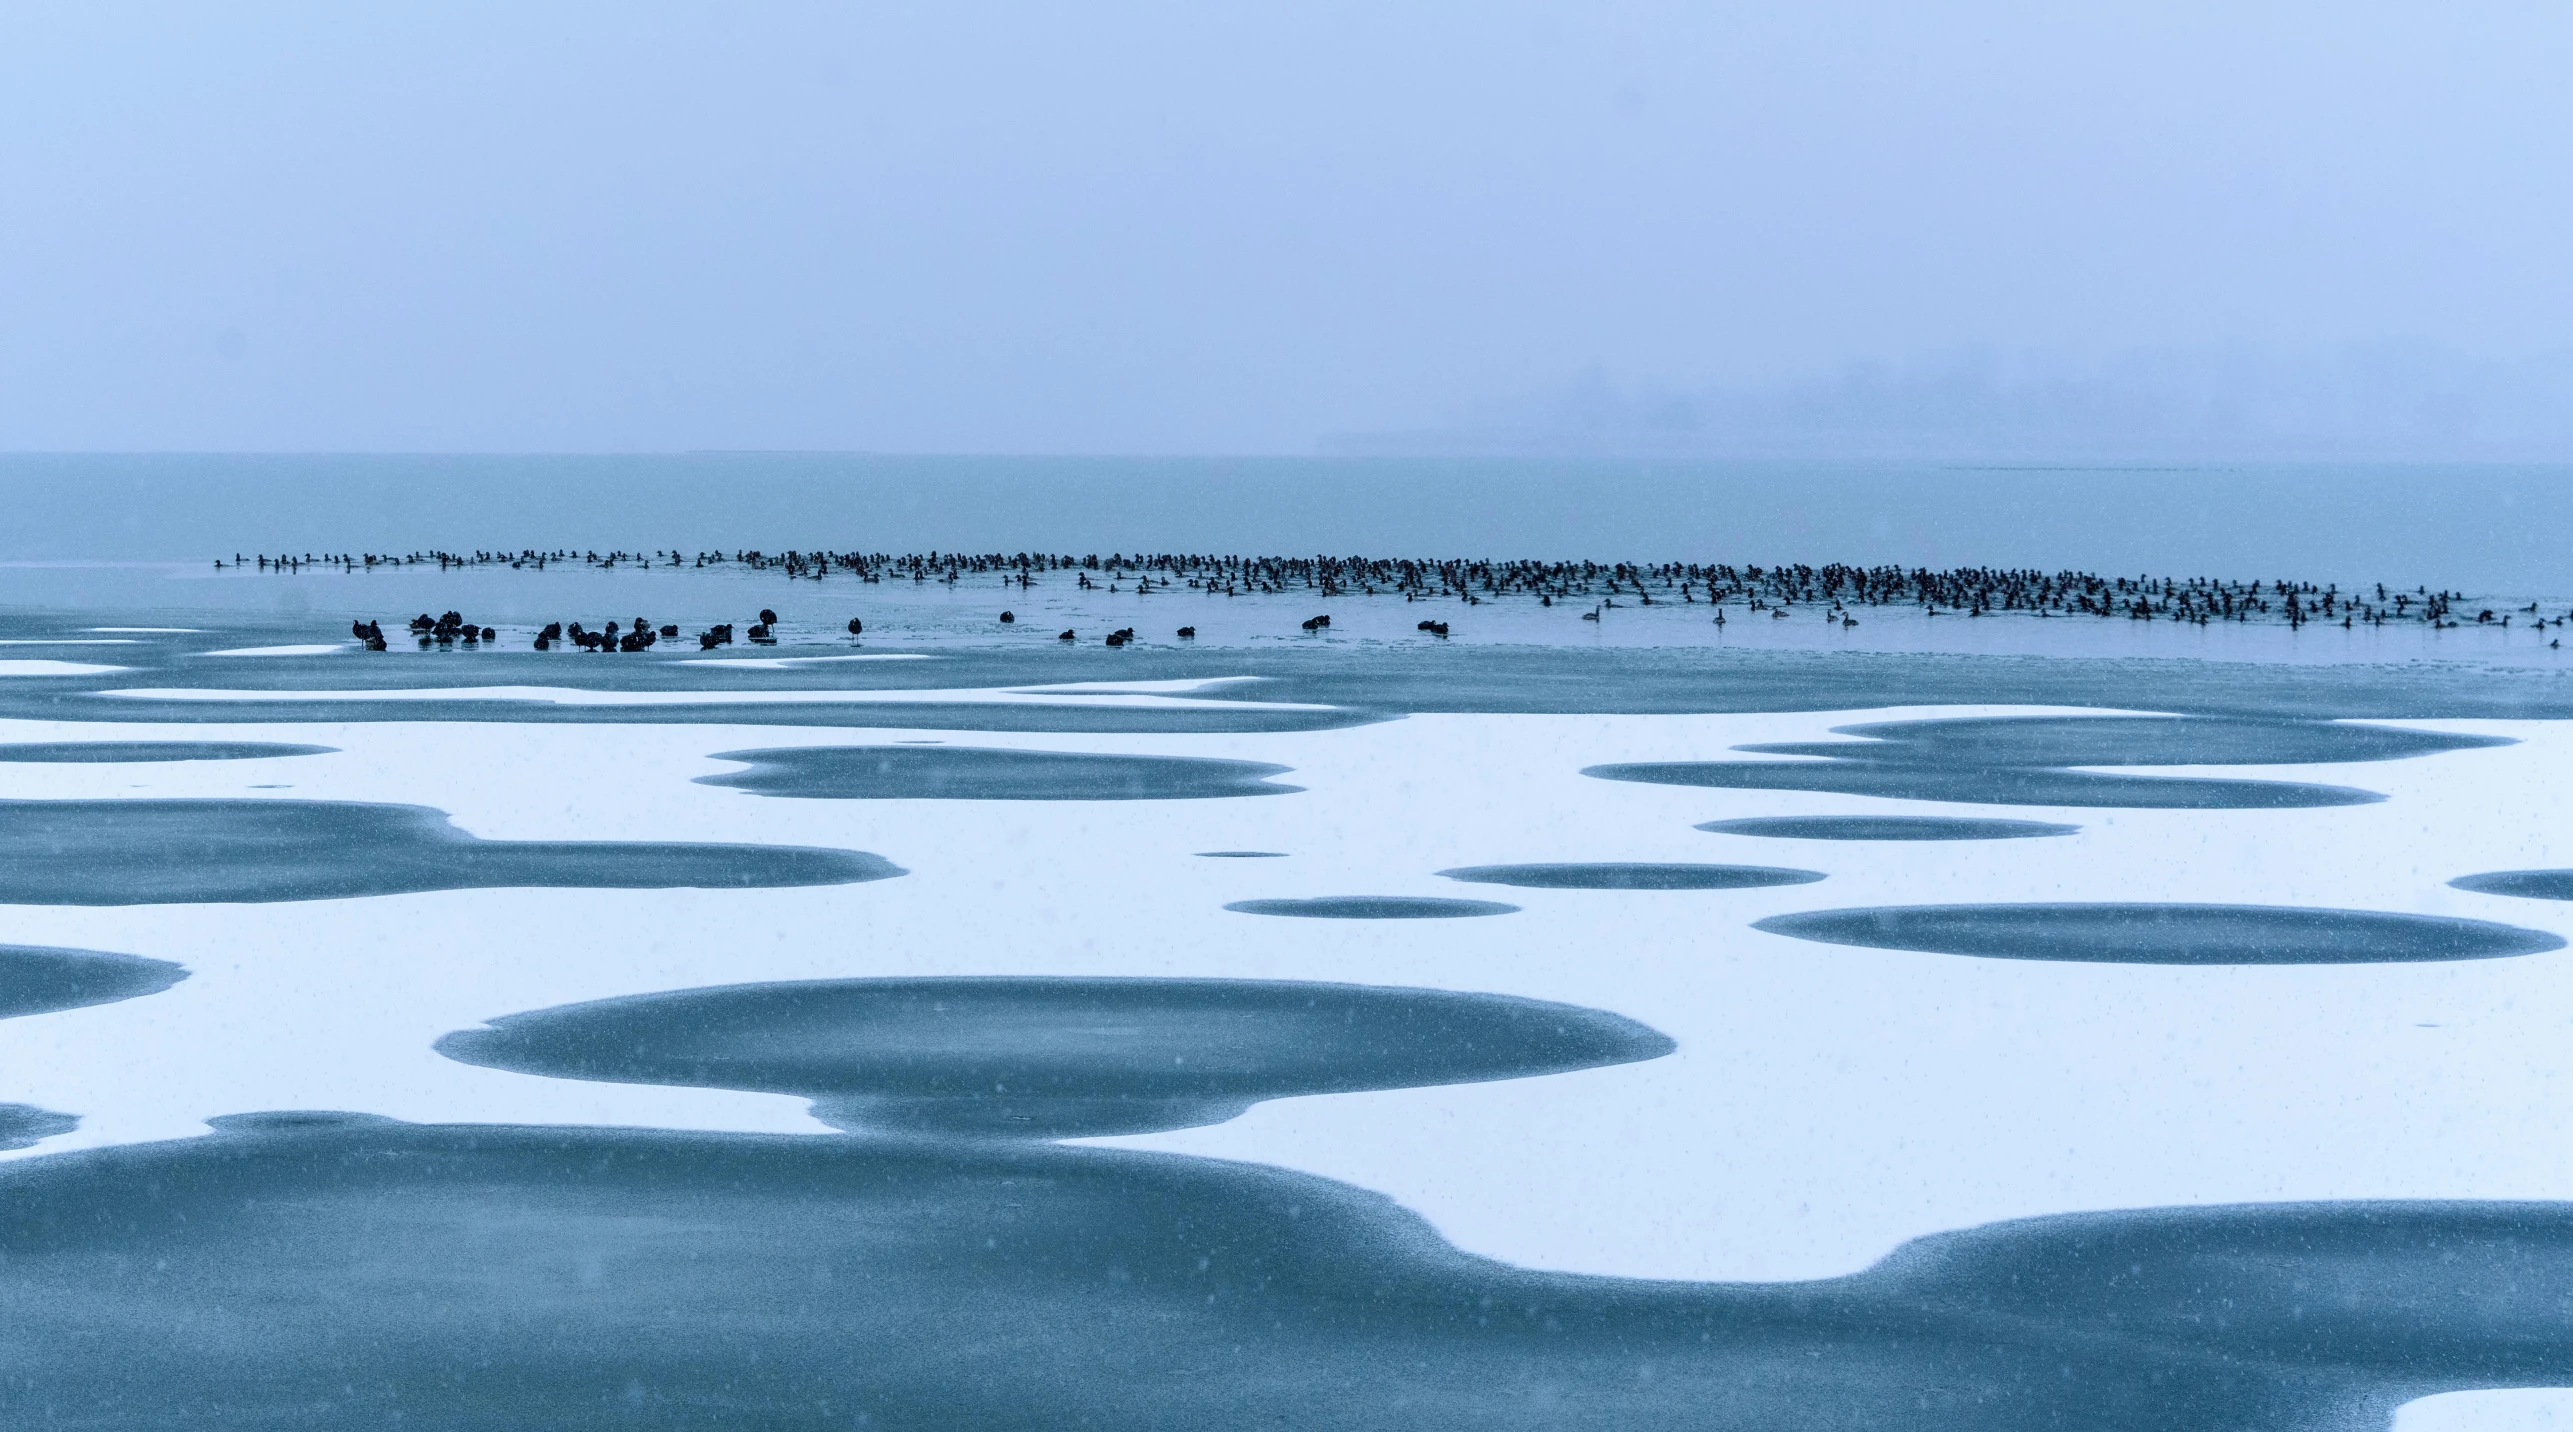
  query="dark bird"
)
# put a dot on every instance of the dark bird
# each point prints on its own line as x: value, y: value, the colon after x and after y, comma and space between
x: 856, y: 626
x: 1008, y: 617
x: 767, y: 617
x: 1188, y: 633
x: 1065, y: 636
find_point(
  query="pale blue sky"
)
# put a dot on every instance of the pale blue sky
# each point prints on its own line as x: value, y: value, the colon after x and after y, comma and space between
x: 1237, y: 228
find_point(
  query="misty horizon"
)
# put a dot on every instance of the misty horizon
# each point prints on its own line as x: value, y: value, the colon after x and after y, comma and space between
x: 1848, y: 230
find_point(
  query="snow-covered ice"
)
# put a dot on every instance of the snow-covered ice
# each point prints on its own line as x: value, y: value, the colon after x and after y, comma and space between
x: 1826, y: 1102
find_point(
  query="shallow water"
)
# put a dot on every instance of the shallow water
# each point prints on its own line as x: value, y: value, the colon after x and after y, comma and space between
x: 1373, y: 907
x: 2026, y: 760
x: 2525, y: 884
x: 967, y: 773
x: 1632, y: 875
x: 39, y: 980
x: 463, y: 1276
x: 1885, y: 827
x: 23, y: 1126
x: 150, y: 852
x: 2166, y: 934
x: 101, y: 752
x: 1052, y: 1058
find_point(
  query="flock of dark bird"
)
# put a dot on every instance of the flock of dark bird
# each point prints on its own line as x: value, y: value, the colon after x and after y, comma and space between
x: 453, y: 630
x: 1838, y: 592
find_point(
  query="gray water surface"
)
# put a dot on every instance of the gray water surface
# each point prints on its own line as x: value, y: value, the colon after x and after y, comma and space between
x: 1885, y: 827
x: 460, y: 1278
x: 1052, y: 1057
x: 40, y: 979
x: 110, y: 752
x: 150, y: 852
x: 1632, y: 875
x: 2526, y: 884
x: 1373, y: 907
x: 2165, y: 934
x: 23, y: 1126
x: 974, y: 773
x: 2028, y: 760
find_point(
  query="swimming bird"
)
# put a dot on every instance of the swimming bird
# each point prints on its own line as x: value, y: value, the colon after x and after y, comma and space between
x: 1066, y: 635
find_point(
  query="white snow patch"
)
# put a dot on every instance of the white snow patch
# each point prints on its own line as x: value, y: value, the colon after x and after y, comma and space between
x: 2515, y: 1409
x: 35, y: 667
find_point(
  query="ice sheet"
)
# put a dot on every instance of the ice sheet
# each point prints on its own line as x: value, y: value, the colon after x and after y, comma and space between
x: 1825, y: 1102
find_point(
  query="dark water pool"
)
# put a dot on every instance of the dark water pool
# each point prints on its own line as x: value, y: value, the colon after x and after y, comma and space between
x: 23, y: 1126
x: 104, y: 752
x: 1053, y: 1057
x: 1885, y: 827
x: 2526, y: 884
x: 39, y: 979
x: 1373, y: 907
x: 472, y: 1277
x: 1632, y: 875
x: 911, y: 772
x: 148, y: 852
x: 2029, y: 760
x: 2165, y: 934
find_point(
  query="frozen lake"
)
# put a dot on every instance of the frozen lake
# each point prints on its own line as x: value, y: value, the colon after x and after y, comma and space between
x: 1636, y: 1023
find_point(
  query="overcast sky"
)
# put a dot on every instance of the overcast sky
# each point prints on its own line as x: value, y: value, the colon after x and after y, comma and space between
x: 1268, y: 228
